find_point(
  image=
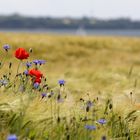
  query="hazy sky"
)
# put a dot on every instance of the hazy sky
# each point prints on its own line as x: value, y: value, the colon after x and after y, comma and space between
x: 75, y: 8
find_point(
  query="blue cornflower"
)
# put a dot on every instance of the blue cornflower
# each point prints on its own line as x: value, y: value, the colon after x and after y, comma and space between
x: 6, y: 47
x: 102, y: 121
x: 22, y: 88
x: 26, y: 72
x: 4, y: 82
x: 103, y: 138
x: 61, y: 82
x: 29, y: 64
x: 36, y: 85
x: 60, y: 100
x: 12, y: 137
x: 52, y: 93
x: 89, y: 104
x: 39, y: 62
x: 90, y: 127
x: 35, y: 62
x: 43, y: 95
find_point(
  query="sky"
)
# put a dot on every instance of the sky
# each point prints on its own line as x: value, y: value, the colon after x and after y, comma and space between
x: 73, y: 8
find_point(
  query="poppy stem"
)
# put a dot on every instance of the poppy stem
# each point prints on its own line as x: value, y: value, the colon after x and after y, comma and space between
x: 18, y: 66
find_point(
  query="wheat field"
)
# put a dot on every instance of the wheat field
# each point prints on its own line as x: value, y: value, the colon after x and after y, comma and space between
x: 103, y: 69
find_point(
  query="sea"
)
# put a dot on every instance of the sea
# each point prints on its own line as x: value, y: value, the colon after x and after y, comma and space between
x: 79, y: 32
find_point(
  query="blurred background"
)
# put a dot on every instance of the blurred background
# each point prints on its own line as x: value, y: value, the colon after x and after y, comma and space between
x: 76, y: 17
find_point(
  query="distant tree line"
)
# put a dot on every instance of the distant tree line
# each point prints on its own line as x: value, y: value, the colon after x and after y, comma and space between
x: 21, y: 22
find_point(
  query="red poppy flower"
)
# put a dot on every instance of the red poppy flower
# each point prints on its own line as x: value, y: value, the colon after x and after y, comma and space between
x: 21, y: 54
x: 36, y: 73
x: 37, y: 80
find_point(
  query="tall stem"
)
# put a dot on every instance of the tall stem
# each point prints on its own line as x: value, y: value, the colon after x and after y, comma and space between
x: 18, y: 66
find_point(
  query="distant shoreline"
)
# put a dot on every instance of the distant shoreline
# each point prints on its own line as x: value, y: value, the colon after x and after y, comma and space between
x: 17, y: 21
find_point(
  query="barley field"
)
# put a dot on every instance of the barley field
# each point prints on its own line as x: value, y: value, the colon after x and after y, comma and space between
x: 99, y: 100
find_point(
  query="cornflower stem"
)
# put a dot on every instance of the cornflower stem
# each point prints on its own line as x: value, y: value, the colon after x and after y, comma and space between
x: 131, y: 98
x: 58, y: 119
x: 51, y: 112
x: 3, y: 60
x: 51, y: 118
x: 58, y: 110
x: 36, y: 67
